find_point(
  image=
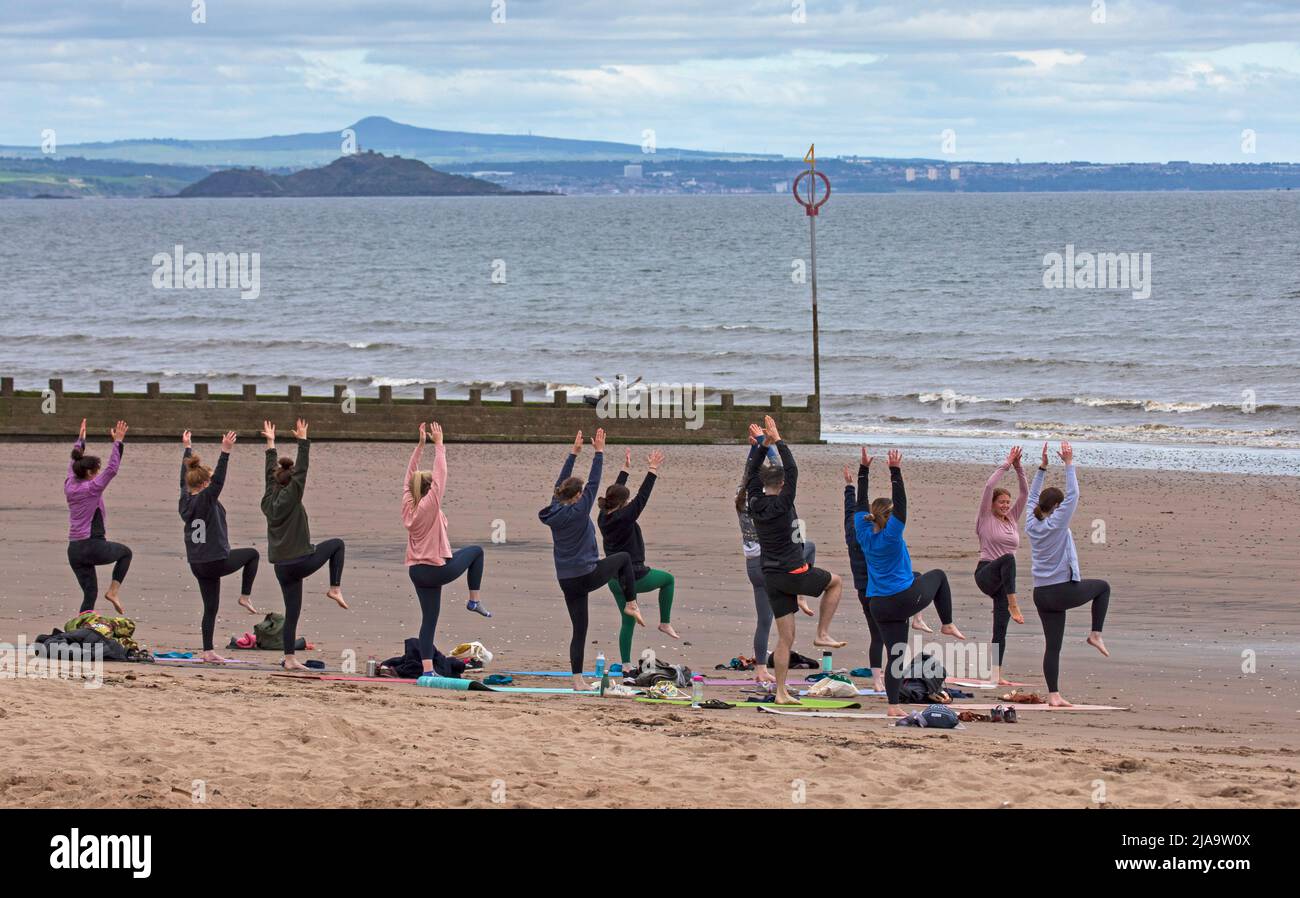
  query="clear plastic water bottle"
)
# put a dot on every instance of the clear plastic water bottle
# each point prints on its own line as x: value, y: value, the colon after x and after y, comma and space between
x: 697, y: 690
x: 372, y: 667
x: 600, y: 664
x: 827, y: 665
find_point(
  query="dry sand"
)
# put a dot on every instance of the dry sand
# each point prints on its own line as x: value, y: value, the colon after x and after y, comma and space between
x: 1203, y: 569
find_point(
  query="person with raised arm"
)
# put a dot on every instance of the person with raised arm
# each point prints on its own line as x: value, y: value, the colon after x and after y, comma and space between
x: 288, y: 536
x: 88, y: 546
x: 787, y: 577
x: 894, y: 592
x: 1057, y: 583
x: 578, y: 566
x: 430, y: 560
x: 207, y: 544
x: 997, y: 526
x: 620, y: 530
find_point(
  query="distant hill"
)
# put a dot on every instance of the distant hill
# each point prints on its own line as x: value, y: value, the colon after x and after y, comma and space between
x: 373, y: 133
x: 77, y: 177
x: 362, y: 174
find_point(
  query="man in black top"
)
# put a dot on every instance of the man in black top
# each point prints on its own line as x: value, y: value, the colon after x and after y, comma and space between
x: 788, y: 578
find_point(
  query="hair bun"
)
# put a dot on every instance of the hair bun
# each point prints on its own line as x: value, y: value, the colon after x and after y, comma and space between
x: 193, y: 460
x: 77, y: 453
x: 286, y: 463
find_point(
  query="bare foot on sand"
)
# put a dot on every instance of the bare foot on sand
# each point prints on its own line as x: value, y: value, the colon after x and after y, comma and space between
x: 247, y: 602
x: 292, y: 663
x: 668, y: 628
x: 336, y: 594
x: 579, y: 684
x: 918, y: 623
x: 1094, y: 640
x: 826, y: 641
x: 112, y: 599
x: 785, y: 698
x: 632, y: 610
x: 1055, y: 700
x: 951, y: 630
x: 212, y: 657
x: 895, y: 711
x: 878, y: 682
x: 803, y: 606
x: 763, y: 675
x: 1014, y: 608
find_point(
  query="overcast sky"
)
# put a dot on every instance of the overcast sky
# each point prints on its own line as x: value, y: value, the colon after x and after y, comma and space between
x: 1028, y: 79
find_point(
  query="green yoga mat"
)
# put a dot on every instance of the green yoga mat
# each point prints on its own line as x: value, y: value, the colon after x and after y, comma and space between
x: 823, y: 703
x: 476, y: 686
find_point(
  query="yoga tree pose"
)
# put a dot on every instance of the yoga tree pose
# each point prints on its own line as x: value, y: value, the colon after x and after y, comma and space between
x: 787, y: 577
x: 288, y: 535
x: 1057, y: 586
x: 621, y: 532
x: 997, y: 526
x: 430, y: 561
x: 207, y: 545
x: 894, y: 592
x: 83, y: 487
x: 754, y: 568
x: 578, y: 565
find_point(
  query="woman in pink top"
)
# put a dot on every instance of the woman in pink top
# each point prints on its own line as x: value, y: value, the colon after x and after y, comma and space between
x: 88, y: 547
x: 429, y: 558
x: 999, y: 536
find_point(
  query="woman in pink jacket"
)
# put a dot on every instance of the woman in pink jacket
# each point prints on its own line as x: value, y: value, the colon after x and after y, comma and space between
x: 87, y: 545
x: 998, y: 530
x: 429, y: 558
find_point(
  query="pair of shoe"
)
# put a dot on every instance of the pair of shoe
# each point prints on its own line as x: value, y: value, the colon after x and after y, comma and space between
x: 1003, y: 714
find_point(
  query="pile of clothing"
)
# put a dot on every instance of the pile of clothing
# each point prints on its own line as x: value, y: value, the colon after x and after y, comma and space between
x: 89, y: 629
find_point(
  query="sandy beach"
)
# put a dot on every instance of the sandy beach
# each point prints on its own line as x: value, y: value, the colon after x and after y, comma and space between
x: 1203, y: 569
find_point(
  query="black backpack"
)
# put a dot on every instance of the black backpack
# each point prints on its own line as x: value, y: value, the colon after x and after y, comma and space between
x: 923, y: 682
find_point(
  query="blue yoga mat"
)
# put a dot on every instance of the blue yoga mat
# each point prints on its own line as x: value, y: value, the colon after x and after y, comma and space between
x: 476, y: 686
x: 552, y: 673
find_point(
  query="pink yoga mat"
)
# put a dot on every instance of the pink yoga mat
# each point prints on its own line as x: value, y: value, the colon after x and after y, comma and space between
x: 1019, y: 707
x: 725, y: 682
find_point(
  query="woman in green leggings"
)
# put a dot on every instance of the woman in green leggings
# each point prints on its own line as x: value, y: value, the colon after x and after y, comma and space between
x: 619, y: 511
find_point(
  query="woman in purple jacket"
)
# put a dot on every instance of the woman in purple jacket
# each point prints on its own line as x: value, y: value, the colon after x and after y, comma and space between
x: 87, y: 547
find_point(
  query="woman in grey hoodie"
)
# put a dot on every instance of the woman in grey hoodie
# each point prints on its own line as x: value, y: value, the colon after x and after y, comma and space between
x: 578, y: 565
x: 1057, y: 584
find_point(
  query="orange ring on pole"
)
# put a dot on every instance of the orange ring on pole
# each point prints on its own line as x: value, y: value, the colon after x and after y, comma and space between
x: 811, y: 208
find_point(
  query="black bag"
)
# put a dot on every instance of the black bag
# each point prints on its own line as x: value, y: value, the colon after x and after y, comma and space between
x: 677, y: 674
x: 797, y: 661
x: 923, y: 682
x: 409, y: 667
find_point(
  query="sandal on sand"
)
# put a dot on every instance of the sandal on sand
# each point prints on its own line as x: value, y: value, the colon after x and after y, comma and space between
x: 714, y: 704
x: 1023, y: 698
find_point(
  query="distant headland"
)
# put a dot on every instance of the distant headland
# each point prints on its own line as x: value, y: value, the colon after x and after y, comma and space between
x: 360, y: 174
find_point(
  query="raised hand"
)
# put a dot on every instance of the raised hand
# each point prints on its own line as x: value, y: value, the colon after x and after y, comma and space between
x: 769, y: 428
x: 1044, y: 464
x: 848, y: 475
x: 865, y: 459
x: 655, y: 459
x: 754, y: 433
x: 423, y: 435
x: 435, y: 433
x: 627, y: 459
x: 895, y: 458
x: 118, y: 433
x: 185, y: 439
x: 598, y: 442
x: 1014, y: 457
x: 1066, y: 453
x: 268, y: 431
x: 81, y: 434
x: 300, y: 430
x: 577, y: 444
x: 227, y: 442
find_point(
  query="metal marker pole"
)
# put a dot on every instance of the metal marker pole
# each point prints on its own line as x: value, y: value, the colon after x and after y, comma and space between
x: 811, y: 207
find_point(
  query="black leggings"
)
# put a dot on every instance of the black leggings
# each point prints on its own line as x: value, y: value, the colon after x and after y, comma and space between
x: 997, y: 579
x: 292, y: 573
x: 429, y: 579
x: 876, y: 648
x: 1052, y: 602
x: 893, y: 612
x: 209, y: 574
x: 85, y: 554
x: 576, y: 590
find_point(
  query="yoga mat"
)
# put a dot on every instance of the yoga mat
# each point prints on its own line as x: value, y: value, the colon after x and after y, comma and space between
x: 807, y: 703
x: 867, y: 715
x: 453, y: 684
x: 1019, y: 707
x: 365, y: 679
x: 724, y: 682
x: 860, y: 692
x: 540, y: 690
x: 160, y: 660
x: 551, y: 673
x: 980, y: 684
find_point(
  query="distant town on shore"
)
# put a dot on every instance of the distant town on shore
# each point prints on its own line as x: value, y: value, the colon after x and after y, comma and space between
x: 404, y: 160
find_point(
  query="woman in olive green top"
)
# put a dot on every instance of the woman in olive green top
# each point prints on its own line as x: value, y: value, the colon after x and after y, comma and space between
x: 288, y: 535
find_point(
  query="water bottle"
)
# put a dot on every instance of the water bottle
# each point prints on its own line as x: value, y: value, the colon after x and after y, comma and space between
x: 372, y: 667
x: 697, y: 690
x: 827, y: 666
x: 600, y: 664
